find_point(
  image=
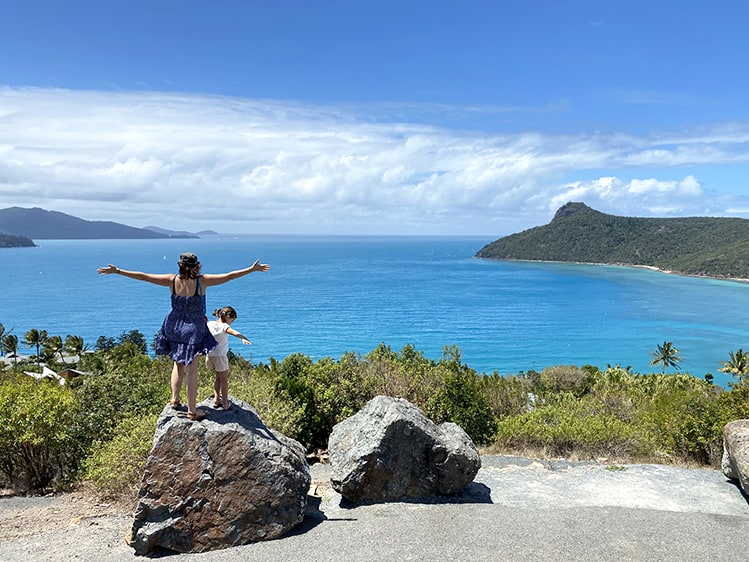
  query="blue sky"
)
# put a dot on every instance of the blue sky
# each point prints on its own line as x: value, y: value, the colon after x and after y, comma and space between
x: 407, y: 117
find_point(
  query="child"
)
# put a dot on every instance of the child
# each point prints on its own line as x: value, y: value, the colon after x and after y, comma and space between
x: 216, y: 359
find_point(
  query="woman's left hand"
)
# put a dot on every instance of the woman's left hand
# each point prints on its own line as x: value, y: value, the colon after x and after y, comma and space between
x: 107, y: 270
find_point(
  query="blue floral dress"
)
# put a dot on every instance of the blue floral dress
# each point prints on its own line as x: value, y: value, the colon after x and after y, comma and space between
x: 184, y: 333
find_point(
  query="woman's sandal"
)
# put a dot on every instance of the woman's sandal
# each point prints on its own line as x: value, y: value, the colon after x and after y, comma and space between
x: 217, y: 403
x: 197, y: 416
x: 175, y: 404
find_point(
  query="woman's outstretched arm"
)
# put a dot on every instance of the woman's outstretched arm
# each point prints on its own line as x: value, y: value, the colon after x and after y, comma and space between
x: 155, y: 278
x: 221, y: 278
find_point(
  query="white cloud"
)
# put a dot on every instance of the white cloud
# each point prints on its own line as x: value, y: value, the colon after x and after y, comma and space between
x: 196, y: 162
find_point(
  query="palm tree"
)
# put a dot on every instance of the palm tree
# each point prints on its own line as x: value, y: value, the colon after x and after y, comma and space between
x: 666, y: 355
x: 738, y: 365
x: 3, y: 335
x: 74, y: 345
x: 10, y: 345
x: 53, y: 346
x: 35, y: 338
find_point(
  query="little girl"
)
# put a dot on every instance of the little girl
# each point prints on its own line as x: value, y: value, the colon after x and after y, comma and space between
x: 216, y: 359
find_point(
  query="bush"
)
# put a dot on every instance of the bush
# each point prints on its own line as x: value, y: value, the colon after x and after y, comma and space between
x: 460, y: 400
x: 37, y: 444
x: 116, y: 466
x: 506, y: 396
x: 122, y: 382
x: 565, y: 378
x: 406, y: 374
x: 567, y: 426
x: 679, y: 413
x: 259, y: 390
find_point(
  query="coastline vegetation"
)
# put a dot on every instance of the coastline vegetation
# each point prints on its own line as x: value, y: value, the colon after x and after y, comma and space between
x: 97, y: 428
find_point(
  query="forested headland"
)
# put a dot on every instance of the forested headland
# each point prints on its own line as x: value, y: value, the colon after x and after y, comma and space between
x: 703, y: 246
x: 13, y: 241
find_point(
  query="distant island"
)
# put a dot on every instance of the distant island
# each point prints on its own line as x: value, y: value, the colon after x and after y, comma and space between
x: 13, y: 241
x: 703, y: 246
x: 40, y: 224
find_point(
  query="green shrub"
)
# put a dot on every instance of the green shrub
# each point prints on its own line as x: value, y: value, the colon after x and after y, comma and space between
x: 124, y: 382
x: 259, y: 390
x: 679, y: 414
x: 37, y: 445
x: 506, y: 396
x: 116, y: 466
x: 568, y: 425
x: 406, y: 374
x: 340, y: 389
x: 461, y: 400
x: 565, y: 378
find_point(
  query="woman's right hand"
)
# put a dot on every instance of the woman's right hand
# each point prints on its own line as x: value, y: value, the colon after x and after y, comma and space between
x: 107, y: 270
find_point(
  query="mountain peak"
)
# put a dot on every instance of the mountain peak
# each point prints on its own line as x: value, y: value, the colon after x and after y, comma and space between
x: 570, y: 208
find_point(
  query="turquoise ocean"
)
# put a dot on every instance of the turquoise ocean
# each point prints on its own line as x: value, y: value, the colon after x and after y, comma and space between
x: 324, y: 296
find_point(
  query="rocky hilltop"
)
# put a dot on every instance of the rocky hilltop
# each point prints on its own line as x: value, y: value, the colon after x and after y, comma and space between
x: 704, y: 246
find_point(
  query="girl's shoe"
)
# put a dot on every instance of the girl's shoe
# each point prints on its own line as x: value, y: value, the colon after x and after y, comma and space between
x: 217, y: 403
x: 175, y: 404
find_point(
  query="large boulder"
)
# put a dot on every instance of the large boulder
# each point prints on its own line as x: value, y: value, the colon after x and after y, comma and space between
x: 223, y: 481
x: 390, y: 451
x: 736, y: 452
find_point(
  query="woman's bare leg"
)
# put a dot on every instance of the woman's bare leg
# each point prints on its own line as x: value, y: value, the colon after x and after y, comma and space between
x: 191, y: 382
x: 177, y: 376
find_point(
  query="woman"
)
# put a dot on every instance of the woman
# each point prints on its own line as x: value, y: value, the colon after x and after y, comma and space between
x: 184, y: 334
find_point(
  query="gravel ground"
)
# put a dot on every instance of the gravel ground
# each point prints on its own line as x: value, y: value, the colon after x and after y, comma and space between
x: 516, y: 509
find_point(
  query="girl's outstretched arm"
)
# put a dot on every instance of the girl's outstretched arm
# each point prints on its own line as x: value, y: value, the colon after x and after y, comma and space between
x: 233, y: 332
x: 155, y: 278
x: 210, y: 279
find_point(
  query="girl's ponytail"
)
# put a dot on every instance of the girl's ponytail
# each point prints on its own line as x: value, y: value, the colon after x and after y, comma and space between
x: 223, y: 313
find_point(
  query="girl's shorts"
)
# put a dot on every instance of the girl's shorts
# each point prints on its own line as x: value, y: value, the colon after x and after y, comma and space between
x: 218, y: 363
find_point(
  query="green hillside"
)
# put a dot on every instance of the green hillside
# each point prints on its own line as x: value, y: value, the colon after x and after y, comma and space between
x: 708, y: 246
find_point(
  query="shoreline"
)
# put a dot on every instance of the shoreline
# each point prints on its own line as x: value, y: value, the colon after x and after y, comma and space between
x: 628, y: 265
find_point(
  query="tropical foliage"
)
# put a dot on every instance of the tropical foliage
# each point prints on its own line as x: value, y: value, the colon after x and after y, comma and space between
x: 98, y: 427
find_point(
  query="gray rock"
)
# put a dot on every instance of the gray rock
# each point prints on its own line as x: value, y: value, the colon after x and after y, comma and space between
x: 390, y: 450
x: 224, y: 481
x: 736, y: 452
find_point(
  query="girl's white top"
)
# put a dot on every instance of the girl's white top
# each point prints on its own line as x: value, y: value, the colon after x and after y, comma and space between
x: 218, y: 329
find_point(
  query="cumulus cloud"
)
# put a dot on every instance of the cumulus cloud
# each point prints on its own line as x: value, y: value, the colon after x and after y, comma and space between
x: 196, y: 162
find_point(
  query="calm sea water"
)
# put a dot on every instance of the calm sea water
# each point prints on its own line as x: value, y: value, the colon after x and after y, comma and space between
x: 327, y: 295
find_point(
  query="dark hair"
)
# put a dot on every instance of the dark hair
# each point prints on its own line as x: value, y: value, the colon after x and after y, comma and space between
x: 225, y: 312
x: 189, y: 266
x: 188, y: 258
x: 189, y: 271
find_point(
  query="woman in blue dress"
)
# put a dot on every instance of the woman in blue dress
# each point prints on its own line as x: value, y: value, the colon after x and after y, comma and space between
x: 184, y: 334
